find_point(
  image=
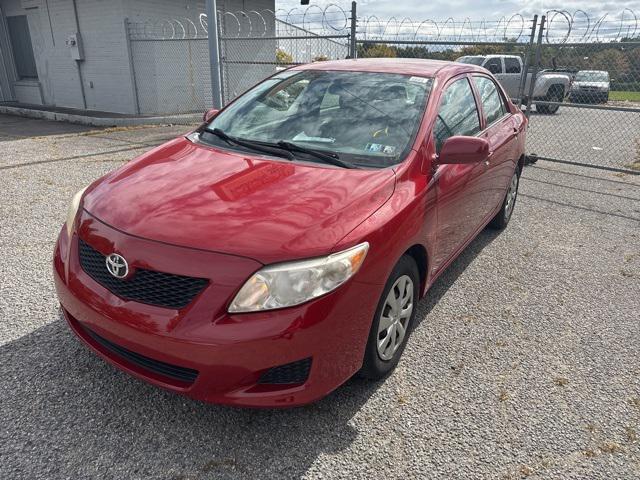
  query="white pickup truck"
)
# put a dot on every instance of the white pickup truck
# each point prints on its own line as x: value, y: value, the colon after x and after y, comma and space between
x: 550, y: 86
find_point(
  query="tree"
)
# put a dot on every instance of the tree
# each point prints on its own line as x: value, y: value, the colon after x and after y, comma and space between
x: 375, y: 50
x: 610, y: 60
x: 283, y: 58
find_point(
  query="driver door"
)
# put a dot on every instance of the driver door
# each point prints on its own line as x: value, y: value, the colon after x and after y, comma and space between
x: 459, y: 188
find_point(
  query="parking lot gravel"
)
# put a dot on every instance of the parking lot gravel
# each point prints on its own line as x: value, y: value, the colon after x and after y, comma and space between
x: 524, y: 363
x: 594, y: 136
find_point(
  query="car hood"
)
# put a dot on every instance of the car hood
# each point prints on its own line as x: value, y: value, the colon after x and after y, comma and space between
x: 197, y: 196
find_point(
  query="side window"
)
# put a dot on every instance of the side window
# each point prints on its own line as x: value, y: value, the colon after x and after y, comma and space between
x: 282, y: 99
x: 274, y: 105
x: 494, y: 65
x: 511, y: 65
x: 492, y: 102
x: 329, y: 101
x: 458, y: 114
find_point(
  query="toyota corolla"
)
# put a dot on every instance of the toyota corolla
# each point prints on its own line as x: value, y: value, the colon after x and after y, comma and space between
x: 282, y: 247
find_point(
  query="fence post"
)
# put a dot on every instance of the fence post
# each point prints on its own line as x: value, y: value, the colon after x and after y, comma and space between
x: 352, y: 43
x: 132, y: 70
x: 536, y: 66
x: 527, y: 61
x: 214, y: 54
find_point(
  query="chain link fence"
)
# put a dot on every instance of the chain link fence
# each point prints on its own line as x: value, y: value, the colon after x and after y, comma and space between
x: 170, y: 65
x: 577, y: 77
x: 268, y: 42
x: 597, y: 121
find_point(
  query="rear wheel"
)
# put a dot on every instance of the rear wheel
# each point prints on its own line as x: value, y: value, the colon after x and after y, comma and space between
x: 556, y: 94
x: 502, y: 218
x: 393, y: 320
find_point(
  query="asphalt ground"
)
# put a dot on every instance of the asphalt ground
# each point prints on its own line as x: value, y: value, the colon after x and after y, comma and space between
x: 524, y: 363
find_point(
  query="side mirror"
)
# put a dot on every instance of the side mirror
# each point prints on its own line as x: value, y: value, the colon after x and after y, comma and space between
x: 463, y: 150
x: 209, y: 114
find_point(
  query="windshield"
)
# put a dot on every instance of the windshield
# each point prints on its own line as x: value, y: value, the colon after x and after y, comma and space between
x: 589, y: 76
x: 368, y: 119
x: 471, y: 60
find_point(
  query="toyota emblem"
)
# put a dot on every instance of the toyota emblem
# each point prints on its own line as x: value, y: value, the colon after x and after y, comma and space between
x: 117, y: 265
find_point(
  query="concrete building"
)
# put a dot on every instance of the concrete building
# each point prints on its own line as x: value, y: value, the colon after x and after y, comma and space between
x: 83, y: 54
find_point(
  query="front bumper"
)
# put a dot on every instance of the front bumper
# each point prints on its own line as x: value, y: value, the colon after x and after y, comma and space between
x: 230, y: 353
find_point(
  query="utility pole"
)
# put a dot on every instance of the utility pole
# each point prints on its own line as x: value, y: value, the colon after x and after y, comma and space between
x: 214, y: 54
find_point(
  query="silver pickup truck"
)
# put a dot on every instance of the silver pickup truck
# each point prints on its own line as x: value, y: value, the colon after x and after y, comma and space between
x: 549, y: 86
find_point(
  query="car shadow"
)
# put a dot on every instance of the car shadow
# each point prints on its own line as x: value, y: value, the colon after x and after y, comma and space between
x: 68, y: 414
x: 451, y: 274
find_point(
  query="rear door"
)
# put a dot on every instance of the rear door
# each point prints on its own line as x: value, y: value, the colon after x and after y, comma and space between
x: 458, y: 187
x: 500, y: 130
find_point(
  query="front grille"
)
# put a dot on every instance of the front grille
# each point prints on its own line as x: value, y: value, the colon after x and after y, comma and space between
x: 175, y: 372
x: 144, y: 286
x: 291, y: 373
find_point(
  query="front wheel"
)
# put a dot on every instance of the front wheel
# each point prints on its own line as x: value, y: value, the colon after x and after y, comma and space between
x: 392, y: 321
x: 503, y: 216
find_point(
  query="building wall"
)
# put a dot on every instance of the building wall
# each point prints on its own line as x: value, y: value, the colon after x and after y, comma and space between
x: 173, y: 75
x: 61, y: 79
x: 105, y: 79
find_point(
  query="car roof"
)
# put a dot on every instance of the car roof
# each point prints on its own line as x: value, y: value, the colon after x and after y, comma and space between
x: 404, y: 66
x: 492, y: 55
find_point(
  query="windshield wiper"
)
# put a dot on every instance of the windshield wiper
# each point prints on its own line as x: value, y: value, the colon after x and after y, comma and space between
x: 258, y: 146
x: 281, y: 148
x: 331, y: 158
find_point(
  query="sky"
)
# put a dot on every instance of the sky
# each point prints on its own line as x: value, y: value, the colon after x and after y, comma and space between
x: 476, y: 10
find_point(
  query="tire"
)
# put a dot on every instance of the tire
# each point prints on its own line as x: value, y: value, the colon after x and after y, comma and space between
x: 556, y: 94
x: 500, y: 221
x: 379, y: 361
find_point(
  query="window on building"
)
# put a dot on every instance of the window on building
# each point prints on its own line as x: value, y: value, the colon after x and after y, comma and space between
x: 21, y: 46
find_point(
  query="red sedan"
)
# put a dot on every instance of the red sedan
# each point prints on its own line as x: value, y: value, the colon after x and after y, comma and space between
x: 267, y: 257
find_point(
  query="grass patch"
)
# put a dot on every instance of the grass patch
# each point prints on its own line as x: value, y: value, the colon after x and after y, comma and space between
x: 624, y: 96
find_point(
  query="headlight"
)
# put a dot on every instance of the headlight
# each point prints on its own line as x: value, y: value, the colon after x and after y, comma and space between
x: 73, y: 211
x: 293, y: 283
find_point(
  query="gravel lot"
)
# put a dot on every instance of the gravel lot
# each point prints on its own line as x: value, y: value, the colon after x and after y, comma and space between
x: 524, y: 363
